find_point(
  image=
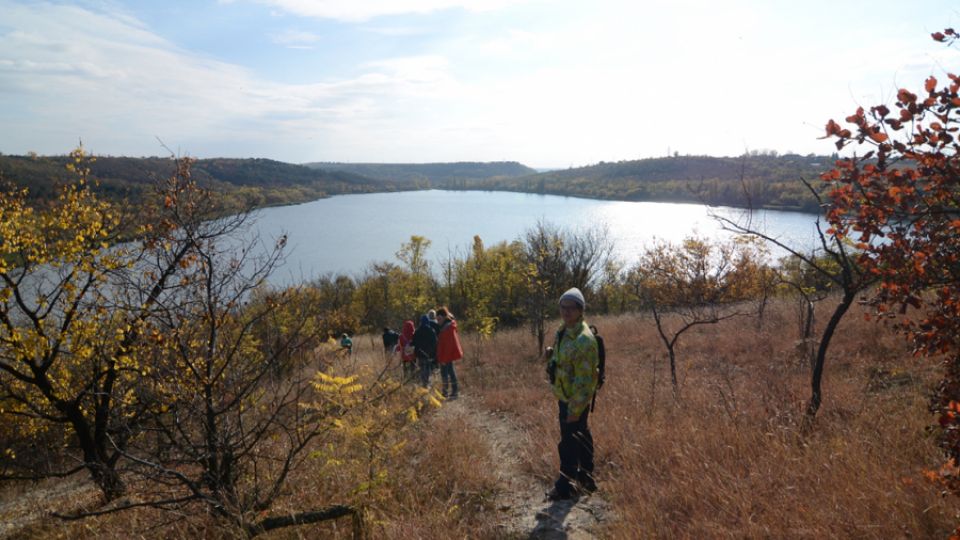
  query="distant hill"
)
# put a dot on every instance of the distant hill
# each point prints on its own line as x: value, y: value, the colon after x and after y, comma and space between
x: 767, y: 181
x: 426, y: 175
x: 260, y: 181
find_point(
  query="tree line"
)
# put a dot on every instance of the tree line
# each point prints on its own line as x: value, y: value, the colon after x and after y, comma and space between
x: 241, y: 183
x: 754, y: 180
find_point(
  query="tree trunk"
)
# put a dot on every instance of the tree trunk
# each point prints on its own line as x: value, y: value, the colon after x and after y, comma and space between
x: 541, y: 336
x: 304, y: 518
x: 108, y: 480
x: 816, y: 395
x: 95, y: 459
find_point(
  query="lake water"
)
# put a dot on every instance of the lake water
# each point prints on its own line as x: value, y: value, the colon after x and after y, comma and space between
x: 344, y: 234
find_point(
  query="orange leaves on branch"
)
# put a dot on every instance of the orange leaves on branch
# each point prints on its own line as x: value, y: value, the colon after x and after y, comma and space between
x: 833, y: 128
x: 947, y: 35
x: 907, y: 194
x: 906, y: 97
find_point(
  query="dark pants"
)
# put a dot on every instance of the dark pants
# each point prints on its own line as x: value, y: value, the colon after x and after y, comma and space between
x: 449, y: 377
x: 575, y: 448
x: 426, y: 366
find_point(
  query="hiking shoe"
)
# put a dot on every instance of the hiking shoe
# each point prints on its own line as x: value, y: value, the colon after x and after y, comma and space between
x: 557, y: 495
x: 586, y: 483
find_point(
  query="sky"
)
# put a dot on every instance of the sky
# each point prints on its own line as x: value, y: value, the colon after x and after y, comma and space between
x: 548, y: 83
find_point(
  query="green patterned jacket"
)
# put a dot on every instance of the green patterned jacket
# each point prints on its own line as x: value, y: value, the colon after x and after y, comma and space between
x: 577, y: 359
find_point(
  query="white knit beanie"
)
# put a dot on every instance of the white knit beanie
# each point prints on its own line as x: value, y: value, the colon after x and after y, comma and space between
x: 574, y: 295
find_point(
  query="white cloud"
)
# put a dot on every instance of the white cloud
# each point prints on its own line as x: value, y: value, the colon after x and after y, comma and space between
x: 78, y: 73
x: 547, y: 88
x: 363, y: 10
x: 296, y: 39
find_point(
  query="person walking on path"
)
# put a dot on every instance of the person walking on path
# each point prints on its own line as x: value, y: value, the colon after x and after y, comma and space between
x: 574, y: 361
x: 425, y: 347
x: 346, y: 344
x: 432, y: 316
x: 408, y: 356
x: 448, y: 352
x: 390, y: 339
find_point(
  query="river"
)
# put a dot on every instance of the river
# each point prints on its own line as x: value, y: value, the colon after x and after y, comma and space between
x: 345, y: 233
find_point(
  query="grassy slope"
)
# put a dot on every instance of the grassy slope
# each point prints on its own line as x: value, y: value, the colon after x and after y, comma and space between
x: 728, y: 460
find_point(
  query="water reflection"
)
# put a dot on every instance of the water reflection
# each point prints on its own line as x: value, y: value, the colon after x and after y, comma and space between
x: 345, y: 234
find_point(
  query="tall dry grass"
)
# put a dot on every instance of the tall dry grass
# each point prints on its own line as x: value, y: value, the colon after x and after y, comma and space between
x: 728, y: 459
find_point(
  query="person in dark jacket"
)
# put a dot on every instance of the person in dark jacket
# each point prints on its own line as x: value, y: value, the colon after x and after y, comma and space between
x: 346, y: 344
x: 448, y: 352
x: 425, y: 347
x: 390, y: 339
x: 432, y: 316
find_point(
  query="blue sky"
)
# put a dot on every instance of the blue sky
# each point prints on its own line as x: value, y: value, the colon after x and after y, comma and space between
x: 546, y: 83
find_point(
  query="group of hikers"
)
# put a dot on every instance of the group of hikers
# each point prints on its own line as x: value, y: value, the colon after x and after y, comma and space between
x: 434, y: 343
x: 574, y: 365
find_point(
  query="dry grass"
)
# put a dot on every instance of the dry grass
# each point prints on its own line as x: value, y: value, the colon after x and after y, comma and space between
x: 726, y: 460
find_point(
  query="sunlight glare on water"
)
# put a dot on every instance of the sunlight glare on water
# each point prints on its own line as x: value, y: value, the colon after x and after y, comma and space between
x: 345, y: 234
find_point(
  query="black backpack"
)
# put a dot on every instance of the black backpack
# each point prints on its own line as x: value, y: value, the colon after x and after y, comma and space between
x: 602, y: 355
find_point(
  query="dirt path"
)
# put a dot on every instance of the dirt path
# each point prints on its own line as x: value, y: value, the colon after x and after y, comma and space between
x: 524, y: 511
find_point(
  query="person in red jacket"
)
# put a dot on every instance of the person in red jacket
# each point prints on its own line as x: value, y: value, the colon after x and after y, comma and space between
x: 407, y: 355
x: 448, y: 351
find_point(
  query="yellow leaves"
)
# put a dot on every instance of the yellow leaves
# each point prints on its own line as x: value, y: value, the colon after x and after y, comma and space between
x: 332, y: 384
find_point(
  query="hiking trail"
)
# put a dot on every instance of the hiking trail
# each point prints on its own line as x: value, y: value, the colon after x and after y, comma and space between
x: 523, y: 511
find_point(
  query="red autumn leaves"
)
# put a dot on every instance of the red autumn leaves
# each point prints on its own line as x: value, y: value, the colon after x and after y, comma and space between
x: 900, y: 201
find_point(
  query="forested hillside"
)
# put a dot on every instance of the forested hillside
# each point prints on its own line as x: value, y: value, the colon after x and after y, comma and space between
x: 766, y: 181
x: 760, y: 180
x: 426, y: 175
x: 241, y: 181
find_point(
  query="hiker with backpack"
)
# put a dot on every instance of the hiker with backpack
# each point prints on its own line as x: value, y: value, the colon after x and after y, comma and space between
x: 573, y: 367
x: 390, y: 340
x: 448, y: 351
x: 346, y: 344
x: 425, y: 348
